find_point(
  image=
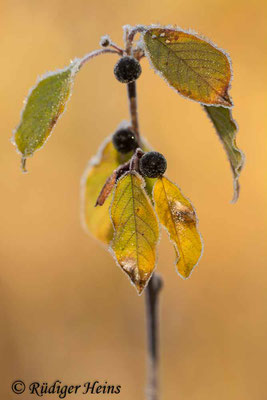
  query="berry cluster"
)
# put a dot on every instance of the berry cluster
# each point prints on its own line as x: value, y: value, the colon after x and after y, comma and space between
x: 152, y: 164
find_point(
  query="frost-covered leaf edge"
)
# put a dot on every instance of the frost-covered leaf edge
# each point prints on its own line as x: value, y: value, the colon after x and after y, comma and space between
x: 75, y: 66
x: 199, y: 36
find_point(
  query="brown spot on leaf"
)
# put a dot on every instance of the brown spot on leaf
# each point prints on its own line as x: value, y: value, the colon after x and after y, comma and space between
x: 182, y: 213
x: 130, y: 267
x: 53, y: 121
x: 139, y: 279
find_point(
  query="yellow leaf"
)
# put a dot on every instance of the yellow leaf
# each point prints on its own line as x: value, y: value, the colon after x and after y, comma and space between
x: 178, y: 216
x: 192, y: 66
x: 136, y: 229
x: 96, y: 220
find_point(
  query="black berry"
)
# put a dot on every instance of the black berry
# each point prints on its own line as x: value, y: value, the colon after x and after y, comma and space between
x: 127, y: 69
x: 153, y: 164
x: 124, y: 140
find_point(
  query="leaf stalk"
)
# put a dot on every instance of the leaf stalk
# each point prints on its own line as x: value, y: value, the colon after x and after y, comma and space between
x: 96, y: 53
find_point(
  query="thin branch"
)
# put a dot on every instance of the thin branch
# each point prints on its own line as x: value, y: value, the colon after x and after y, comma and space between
x: 152, y: 296
x: 131, y: 35
x: 138, y: 54
x: 96, y: 53
x: 116, y: 47
x: 131, y: 88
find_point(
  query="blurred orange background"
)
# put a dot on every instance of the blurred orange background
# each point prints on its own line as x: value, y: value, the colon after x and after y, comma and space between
x: 67, y: 312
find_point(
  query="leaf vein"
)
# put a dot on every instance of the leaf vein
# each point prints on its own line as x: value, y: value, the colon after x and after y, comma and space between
x: 184, y: 61
x: 141, y: 219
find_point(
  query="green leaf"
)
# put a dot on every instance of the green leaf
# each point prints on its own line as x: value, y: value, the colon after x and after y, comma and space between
x: 226, y: 129
x: 96, y: 220
x: 136, y: 229
x: 44, y: 105
x: 194, y: 67
x: 178, y: 216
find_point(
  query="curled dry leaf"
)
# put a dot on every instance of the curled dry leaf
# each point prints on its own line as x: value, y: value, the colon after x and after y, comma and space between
x: 178, y: 216
x: 192, y: 66
x: 110, y: 182
x: 226, y: 129
x: 96, y: 220
x: 106, y: 189
x: 136, y: 229
x: 43, y: 107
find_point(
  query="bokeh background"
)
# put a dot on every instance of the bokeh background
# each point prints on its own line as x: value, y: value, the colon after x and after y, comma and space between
x: 67, y: 312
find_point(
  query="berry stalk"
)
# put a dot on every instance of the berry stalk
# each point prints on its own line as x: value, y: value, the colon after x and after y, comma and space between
x: 131, y: 89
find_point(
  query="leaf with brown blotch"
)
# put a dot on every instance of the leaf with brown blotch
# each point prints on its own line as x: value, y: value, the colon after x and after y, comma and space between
x: 226, y: 129
x: 194, y: 67
x: 178, y: 216
x: 136, y: 229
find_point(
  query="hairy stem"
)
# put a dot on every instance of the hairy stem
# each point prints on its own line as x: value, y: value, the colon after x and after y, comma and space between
x: 130, y: 37
x: 131, y: 88
x: 152, y: 296
x: 116, y: 47
x: 96, y: 53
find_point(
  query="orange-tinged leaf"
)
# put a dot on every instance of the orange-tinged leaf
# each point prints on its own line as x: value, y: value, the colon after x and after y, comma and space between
x: 136, y: 229
x: 194, y: 67
x: 178, y: 216
x: 96, y: 220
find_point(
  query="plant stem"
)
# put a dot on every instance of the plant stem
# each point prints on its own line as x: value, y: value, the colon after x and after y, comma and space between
x: 96, y: 53
x: 131, y: 35
x: 131, y: 88
x: 155, y: 284
x: 119, y: 50
x: 152, y: 291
